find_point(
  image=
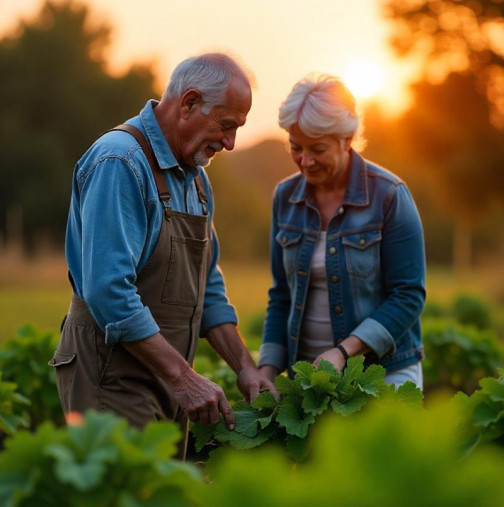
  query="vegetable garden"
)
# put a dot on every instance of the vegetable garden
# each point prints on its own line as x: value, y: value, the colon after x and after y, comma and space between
x: 332, y: 439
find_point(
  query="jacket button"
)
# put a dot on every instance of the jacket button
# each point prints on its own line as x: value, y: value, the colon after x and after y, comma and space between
x: 338, y: 309
x: 284, y: 240
x: 340, y: 210
x: 335, y: 279
x: 362, y: 241
x: 332, y: 250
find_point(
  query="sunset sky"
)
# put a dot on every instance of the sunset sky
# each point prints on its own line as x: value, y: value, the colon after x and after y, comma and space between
x: 279, y: 40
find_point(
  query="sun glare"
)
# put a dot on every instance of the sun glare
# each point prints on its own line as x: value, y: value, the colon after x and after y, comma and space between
x: 364, y: 78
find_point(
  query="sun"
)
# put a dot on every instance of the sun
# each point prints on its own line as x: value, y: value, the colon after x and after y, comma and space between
x: 364, y: 78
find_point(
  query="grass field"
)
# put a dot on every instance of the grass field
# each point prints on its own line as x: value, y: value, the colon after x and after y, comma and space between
x: 38, y: 291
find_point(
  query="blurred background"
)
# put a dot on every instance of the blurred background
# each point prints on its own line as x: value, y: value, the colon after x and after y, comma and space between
x: 429, y: 76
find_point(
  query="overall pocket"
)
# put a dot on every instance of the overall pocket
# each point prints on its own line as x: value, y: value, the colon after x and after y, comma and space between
x: 182, y: 282
x: 289, y: 241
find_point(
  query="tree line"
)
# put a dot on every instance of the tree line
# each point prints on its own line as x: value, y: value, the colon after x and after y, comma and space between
x: 56, y: 96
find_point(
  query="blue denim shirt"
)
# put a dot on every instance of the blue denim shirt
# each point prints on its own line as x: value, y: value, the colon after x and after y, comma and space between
x: 114, y: 224
x: 375, y: 266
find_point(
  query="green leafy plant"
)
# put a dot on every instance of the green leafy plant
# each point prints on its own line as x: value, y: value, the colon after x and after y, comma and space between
x: 303, y: 399
x: 391, y: 455
x: 482, y: 413
x: 100, y: 462
x: 12, y: 408
x: 457, y: 357
x: 23, y: 360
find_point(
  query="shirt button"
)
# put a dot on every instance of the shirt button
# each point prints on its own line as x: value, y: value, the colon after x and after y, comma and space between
x: 338, y: 309
x: 362, y: 241
x: 332, y: 250
x: 335, y: 279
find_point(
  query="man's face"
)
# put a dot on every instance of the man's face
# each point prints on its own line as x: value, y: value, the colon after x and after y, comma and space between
x: 203, y: 135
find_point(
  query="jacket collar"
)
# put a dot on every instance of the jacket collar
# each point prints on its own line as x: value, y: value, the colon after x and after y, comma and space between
x: 356, y: 193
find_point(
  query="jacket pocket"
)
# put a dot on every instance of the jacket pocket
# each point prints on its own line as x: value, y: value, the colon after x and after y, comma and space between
x: 289, y: 241
x: 362, y: 252
x: 182, y: 284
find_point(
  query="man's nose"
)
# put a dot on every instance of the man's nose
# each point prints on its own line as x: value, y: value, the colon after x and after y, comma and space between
x: 228, y: 141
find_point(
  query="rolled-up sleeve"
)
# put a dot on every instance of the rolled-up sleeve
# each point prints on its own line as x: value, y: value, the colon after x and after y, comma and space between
x: 403, y: 264
x: 114, y: 224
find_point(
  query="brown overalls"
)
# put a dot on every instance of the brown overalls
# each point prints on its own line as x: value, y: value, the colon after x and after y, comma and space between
x: 92, y: 375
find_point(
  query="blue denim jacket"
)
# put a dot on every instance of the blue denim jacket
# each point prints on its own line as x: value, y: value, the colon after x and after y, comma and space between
x: 375, y: 266
x: 114, y: 224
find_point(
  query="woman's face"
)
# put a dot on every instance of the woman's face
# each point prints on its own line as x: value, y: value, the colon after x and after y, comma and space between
x: 323, y: 161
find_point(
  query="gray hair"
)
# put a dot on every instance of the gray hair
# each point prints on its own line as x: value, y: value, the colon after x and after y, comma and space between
x: 322, y: 105
x: 210, y: 74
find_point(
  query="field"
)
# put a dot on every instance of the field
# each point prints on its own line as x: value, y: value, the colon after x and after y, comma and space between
x: 38, y: 291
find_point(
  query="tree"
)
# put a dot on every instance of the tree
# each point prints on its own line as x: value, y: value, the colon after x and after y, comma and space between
x: 458, y: 115
x: 454, y: 36
x: 55, y: 99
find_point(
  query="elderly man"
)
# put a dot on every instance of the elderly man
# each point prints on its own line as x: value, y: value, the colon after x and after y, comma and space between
x: 142, y: 257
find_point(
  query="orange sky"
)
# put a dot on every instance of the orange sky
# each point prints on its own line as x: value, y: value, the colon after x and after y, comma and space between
x: 279, y: 40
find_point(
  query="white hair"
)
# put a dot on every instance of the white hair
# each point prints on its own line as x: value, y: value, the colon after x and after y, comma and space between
x: 322, y: 105
x: 210, y: 74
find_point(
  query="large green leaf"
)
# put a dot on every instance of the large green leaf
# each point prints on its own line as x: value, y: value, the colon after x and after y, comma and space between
x: 353, y: 405
x: 297, y: 447
x: 293, y: 419
x: 240, y: 441
x: 83, y: 475
x: 246, y: 422
x: 371, y: 381
x: 264, y: 400
x: 486, y: 414
x: 203, y: 434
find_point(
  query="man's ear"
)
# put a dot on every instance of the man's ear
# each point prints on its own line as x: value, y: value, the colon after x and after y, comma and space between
x: 190, y: 101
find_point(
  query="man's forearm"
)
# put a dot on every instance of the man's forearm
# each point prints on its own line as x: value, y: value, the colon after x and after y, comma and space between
x: 227, y: 342
x: 161, y: 358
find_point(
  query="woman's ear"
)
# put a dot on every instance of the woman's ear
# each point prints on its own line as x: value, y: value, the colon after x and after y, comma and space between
x: 190, y: 101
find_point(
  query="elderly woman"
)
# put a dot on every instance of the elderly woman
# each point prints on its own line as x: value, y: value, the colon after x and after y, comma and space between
x: 347, y: 253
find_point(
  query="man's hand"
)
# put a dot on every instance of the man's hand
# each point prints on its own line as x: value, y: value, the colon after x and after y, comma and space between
x: 227, y: 342
x: 251, y: 382
x: 270, y: 371
x: 202, y: 400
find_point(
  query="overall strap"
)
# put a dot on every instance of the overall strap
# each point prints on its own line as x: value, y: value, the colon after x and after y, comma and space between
x: 162, y: 188
x: 201, y: 193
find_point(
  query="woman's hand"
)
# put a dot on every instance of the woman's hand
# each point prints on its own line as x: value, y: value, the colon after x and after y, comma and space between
x: 353, y: 345
x: 334, y: 356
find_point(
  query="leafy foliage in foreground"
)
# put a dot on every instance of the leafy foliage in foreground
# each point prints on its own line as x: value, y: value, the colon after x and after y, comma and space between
x: 393, y: 455
x: 483, y: 413
x: 312, y: 392
x: 102, y: 462
x: 12, y: 408
x: 23, y: 360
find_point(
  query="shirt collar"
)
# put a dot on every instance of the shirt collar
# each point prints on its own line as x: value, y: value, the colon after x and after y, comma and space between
x: 161, y: 148
x: 356, y: 193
